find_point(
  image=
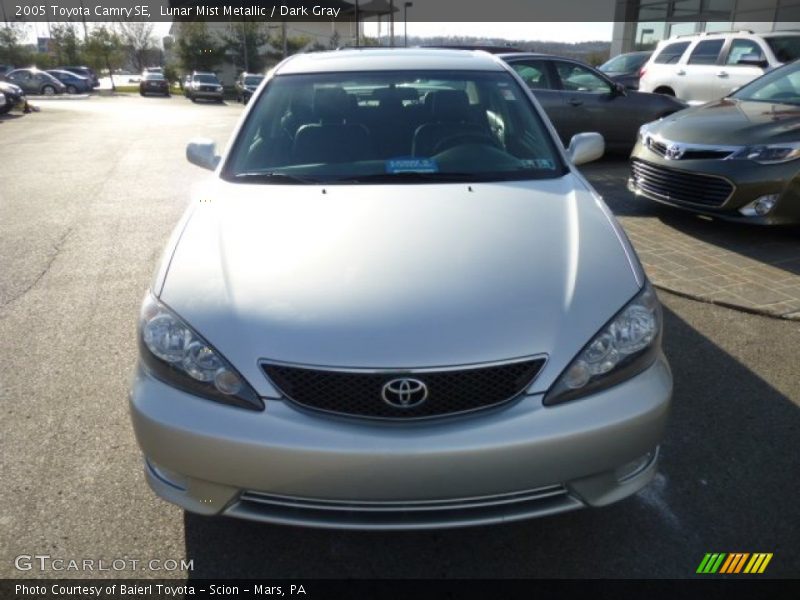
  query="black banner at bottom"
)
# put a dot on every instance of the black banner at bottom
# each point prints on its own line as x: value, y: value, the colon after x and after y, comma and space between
x: 407, y: 589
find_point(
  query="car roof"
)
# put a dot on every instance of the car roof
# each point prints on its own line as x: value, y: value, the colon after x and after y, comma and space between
x: 389, y: 59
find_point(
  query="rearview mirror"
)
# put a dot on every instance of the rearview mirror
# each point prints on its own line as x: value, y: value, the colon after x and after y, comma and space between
x: 753, y: 60
x: 203, y: 153
x: 586, y: 147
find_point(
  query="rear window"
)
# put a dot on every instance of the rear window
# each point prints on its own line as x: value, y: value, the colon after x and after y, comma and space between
x: 206, y: 78
x: 706, y: 52
x: 671, y: 53
x: 785, y: 48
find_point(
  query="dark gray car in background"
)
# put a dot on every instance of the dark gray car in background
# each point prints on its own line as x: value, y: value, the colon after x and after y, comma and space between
x: 34, y: 81
x: 625, y: 68
x: 579, y: 98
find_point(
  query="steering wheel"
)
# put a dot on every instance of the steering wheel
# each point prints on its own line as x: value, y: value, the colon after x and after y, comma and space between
x: 463, y: 138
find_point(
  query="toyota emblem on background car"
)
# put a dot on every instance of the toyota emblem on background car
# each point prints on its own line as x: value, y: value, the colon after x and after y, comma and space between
x: 404, y: 393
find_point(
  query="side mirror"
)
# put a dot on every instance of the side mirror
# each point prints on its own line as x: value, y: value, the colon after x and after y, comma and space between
x: 203, y: 153
x: 753, y: 60
x: 620, y: 89
x: 586, y: 147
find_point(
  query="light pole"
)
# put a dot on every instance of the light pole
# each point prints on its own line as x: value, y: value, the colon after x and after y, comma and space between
x: 107, y: 45
x: 406, y: 6
x: 391, y: 23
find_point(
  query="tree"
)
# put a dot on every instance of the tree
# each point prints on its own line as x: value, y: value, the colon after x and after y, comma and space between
x: 12, y: 50
x: 197, y: 48
x: 104, y: 50
x: 244, y: 45
x: 66, y: 44
x: 139, y: 41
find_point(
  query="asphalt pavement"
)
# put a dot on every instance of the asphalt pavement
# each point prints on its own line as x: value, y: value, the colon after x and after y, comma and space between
x: 89, y: 192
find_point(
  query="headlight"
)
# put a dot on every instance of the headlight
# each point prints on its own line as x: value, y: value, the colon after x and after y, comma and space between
x: 643, y: 131
x: 176, y: 354
x: 624, y: 347
x: 769, y: 154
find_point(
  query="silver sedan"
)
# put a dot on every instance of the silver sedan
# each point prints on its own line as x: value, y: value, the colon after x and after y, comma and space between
x: 396, y: 304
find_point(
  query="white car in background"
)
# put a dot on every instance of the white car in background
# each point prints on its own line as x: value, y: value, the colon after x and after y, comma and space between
x: 703, y: 67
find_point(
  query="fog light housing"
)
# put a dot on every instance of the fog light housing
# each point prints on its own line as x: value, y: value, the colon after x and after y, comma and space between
x: 760, y: 207
x: 635, y: 467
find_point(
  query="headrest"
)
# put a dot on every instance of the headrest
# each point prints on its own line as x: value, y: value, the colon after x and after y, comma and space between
x: 449, y: 105
x: 331, y: 103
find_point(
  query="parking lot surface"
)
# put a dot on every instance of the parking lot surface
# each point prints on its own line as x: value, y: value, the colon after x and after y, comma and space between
x: 89, y: 192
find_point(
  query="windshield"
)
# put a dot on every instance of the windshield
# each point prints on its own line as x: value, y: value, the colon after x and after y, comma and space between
x: 779, y: 86
x: 785, y: 48
x: 253, y: 80
x: 393, y: 126
x: 206, y: 78
x: 624, y: 63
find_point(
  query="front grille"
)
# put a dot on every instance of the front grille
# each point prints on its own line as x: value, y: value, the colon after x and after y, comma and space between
x: 360, y: 393
x: 410, y: 514
x: 680, y: 186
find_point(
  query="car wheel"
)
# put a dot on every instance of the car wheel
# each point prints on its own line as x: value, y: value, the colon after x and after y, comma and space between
x: 192, y: 98
x: 71, y: 89
x: 141, y: 93
x: 664, y: 90
x: 48, y: 90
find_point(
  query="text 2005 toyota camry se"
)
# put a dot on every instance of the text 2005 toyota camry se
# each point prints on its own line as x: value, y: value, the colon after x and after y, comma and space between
x: 396, y: 304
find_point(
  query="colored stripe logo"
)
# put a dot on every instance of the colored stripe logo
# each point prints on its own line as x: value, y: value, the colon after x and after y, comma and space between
x: 734, y: 563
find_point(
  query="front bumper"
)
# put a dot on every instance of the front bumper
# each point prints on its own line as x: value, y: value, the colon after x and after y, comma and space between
x: 285, y: 465
x: 206, y: 95
x: 750, y: 181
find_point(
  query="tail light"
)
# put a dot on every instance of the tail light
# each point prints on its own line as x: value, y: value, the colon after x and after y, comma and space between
x: 642, y: 71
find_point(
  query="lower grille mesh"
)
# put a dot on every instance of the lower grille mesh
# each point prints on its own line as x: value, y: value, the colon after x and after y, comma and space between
x: 361, y: 393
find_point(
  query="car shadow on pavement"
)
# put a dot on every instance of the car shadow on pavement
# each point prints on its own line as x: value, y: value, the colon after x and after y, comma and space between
x: 729, y: 463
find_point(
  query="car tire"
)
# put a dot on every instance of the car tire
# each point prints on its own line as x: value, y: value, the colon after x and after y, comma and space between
x: 193, y: 99
x: 141, y: 93
x: 666, y: 91
x: 48, y: 90
x: 71, y: 89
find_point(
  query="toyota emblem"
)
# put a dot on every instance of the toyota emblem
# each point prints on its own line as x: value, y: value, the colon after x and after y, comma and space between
x: 674, y: 152
x: 404, y: 392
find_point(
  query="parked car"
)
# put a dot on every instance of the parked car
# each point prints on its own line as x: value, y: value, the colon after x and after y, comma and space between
x: 735, y: 158
x: 34, y: 81
x: 245, y: 85
x: 153, y: 83
x: 399, y: 305
x: 84, y: 71
x: 14, y: 95
x: 625, y: 68
x: 704, y: 67
x: 204, y: 86
x: 75, y: 84
x: 579, y: 98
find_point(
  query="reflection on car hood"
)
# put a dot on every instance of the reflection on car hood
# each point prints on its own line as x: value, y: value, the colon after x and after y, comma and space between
x: 733, y: 122
x: 399, y: 275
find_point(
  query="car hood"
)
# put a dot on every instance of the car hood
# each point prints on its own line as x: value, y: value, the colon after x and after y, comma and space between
x: 399, y: 276
x: 732, y: 122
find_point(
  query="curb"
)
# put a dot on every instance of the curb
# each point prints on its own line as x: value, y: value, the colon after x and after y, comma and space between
x: 792, y: 317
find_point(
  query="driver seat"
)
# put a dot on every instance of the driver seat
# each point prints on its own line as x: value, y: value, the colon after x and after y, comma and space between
x: 450, y: 115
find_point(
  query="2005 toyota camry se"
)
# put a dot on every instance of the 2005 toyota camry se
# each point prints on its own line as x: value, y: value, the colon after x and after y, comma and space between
x: 397, y: 304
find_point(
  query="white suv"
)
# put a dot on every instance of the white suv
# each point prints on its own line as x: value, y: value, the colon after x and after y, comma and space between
x: 702, y: 67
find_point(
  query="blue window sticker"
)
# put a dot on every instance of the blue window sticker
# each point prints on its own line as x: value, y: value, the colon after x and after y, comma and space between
x: 539, y: 163
x: 411, y: 164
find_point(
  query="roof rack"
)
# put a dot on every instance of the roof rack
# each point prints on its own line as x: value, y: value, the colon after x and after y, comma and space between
x: 706, y: 33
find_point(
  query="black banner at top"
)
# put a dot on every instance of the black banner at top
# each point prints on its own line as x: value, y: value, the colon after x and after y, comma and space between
x: 347, y: 10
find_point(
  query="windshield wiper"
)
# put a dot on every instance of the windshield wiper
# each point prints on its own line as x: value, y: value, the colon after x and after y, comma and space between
x: 272, y: 176
x: 412, y: 176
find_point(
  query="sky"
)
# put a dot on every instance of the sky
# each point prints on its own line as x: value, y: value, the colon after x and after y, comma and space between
x: 536, y: 31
